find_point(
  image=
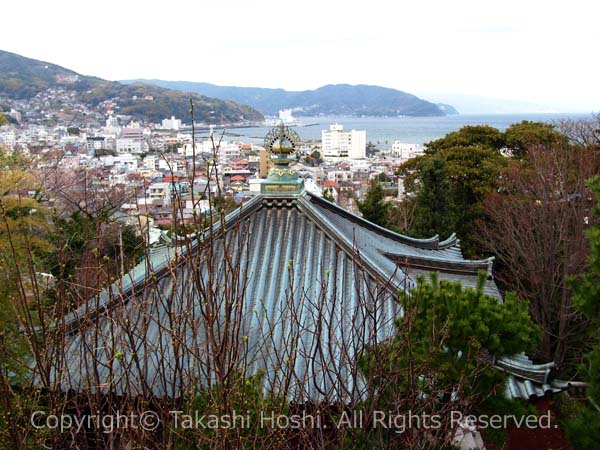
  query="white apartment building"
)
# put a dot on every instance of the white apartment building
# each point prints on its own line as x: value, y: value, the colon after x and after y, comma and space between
x: 171, y: 124
x: 159, y: 191
x: 226, y: 152
x: 126, y: 145
x: 337, y: 143
x: 188, y: 150
x: 339, y: 175
x: 161, y: 163
x: 168, y: 164
x: 125, y: 161
x: 150, y: 162
x: 406, y: 151
x: 95, y: 143
x: 67, y: 140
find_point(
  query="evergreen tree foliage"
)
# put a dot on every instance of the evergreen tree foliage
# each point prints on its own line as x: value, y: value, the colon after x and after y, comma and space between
x: 587, y: 295
x: 443, y: 346
x: 469, y: 136
x: 587, y: 287
x: 520, y: 136
x: 374, y: 208
x: 434, y: 208
x: 583, y: 430
x: 450, y: 187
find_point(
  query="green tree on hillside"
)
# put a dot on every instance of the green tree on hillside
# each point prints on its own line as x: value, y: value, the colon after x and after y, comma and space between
x: 587, y: 287
x: 374, y: 208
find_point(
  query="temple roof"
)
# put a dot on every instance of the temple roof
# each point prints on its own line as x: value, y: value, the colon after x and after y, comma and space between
x: 527, y: 380
x: 312, y: 279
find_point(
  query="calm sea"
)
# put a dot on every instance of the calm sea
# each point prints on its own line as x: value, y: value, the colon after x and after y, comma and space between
x: 385, y: 130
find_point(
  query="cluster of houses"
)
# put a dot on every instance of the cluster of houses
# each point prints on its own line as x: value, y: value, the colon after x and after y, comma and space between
x: 156, y: 164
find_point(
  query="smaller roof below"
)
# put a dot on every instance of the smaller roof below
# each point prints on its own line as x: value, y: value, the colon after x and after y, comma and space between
x: 527, y: 380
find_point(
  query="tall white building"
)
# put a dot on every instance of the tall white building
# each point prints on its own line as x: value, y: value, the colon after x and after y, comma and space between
x: 112, y: 122
x: 171, y: 124
x: 337, y: 143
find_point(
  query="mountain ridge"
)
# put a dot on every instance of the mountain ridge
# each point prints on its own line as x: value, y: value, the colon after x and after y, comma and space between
x: 23, y: 78
x: 331, y: 99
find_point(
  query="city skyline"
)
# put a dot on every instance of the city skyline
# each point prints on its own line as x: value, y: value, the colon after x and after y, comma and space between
x: 532, y: 53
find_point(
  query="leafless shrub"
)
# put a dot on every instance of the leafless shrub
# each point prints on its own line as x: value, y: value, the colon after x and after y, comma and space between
x: 536, y: 228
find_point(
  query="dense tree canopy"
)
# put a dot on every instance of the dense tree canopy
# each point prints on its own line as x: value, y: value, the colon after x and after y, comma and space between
x: 519, y: 195
x: 587, y: 287
x: 523, y: 135
x: 469, y: 136
x: 449, y: 186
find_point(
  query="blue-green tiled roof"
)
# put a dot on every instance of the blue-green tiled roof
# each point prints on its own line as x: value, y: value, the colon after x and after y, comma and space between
x: 315, y: 285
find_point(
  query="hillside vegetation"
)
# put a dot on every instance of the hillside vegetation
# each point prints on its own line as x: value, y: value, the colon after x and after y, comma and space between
x: 23, y: 78
x: 332, y: 99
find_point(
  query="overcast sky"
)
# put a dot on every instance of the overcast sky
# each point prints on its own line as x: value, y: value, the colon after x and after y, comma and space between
x: 543, y: 52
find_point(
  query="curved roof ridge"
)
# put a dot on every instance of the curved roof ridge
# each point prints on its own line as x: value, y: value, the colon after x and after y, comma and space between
x: 521, y: 366
x: 345, y: 242
x: 432, y: 243
x: 451, y: 241
x: 522, y: 361
x: 470, y: 262
x: 441, y: 263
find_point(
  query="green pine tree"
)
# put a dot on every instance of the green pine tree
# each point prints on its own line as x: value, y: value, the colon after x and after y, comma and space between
x: 442, y: 346
x: 583, y: 430
x: 434, y: 211
x: 374, y: 208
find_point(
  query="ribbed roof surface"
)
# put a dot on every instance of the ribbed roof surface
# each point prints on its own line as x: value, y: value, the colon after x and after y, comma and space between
x: 527, y: 380
x: 313, y: 285
x: 388, y: 250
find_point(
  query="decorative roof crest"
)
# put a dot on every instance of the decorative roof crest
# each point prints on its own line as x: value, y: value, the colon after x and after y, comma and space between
x: 281, y: 143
